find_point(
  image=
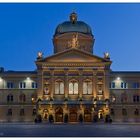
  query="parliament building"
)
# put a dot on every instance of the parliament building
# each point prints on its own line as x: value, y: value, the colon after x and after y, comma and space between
x: 72, y: 85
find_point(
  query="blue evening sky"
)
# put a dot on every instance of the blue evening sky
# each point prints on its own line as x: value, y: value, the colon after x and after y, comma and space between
x: 26, y: 29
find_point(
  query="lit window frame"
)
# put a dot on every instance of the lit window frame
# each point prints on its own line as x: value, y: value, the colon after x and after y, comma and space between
x: 88, y: 85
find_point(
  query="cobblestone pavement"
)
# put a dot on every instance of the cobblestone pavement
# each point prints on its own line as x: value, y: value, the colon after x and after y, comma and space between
x: 69, y: 130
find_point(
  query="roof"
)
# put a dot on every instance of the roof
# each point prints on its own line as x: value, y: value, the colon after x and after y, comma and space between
x: 18, y: 72
x: 125, y: 72
x: 56, y: 57
x: 78, y: 26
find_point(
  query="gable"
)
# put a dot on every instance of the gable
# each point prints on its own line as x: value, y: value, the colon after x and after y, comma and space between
x: 73, y: 55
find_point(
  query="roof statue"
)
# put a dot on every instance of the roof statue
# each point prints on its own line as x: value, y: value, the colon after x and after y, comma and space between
x: 74, y: 43
x: 39, y: 55
x: 106, y: 55
x: 73, y: 17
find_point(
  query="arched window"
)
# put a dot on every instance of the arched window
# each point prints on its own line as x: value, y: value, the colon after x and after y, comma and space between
x: 33, y: 97
x: 87, y: 87
x: 22, y: 98
x: 136, y: 98
x: 9, y: 113
x: 112, y: 98
x: 10, y: 98
x: 124, y: 112
x: 136, y: 112
x: 73, y: 87
x: 22, y: 113
x: 59, y: 87
x: 112, y: 112
x: 34, y: 112
x: 123, y: 98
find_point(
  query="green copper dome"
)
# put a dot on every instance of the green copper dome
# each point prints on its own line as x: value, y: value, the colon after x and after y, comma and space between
x: 73, y: 26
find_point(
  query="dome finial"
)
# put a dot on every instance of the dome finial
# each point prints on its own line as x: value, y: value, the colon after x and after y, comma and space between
x: 73, y: 17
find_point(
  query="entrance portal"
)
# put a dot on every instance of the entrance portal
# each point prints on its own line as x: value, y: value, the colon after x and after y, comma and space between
x: 100, y: 114
x: 87, y: 115
x: 45, y: 114
x: 59, y: 114
x: 73, y: 115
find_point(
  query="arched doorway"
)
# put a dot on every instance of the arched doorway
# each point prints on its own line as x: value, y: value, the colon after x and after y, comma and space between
x: 45, y: 114
x: 73, y: 115
x: 100, y: 114
x: 87, y: 115
x: 59, y: 114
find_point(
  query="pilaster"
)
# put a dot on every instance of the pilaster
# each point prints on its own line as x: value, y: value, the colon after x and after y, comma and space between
x: 52, y: 84
x: 94, y: 84
x: 66, y: 87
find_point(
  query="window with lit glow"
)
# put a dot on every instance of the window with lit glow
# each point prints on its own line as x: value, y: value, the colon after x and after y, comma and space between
x: 34, y: 85
x: 59, y: 87
x: 112, y: 85
x: 113, y: 98
x: 73, y: 87
x: 123, y: 85
x: 87, y: 87
x: 22, y: 85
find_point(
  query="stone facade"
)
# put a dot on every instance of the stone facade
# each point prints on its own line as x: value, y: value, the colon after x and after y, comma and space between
x: 72, y: 85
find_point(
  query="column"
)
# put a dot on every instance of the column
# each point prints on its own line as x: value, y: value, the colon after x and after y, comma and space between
x: 94, y: 85
x: 106, y: 84
x: 66, y: 84
x: 40, y: 84
x: 80, y: 85
x: 52, y: 83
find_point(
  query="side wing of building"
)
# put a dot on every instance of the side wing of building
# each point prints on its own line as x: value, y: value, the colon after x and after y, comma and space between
x: 125, y: 96
x: 17, y: 96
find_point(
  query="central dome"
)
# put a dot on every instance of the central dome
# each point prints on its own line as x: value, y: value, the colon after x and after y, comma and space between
x: 73, y: 26
x: 73, y: 34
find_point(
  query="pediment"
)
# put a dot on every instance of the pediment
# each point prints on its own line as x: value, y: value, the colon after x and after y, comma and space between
x: 74, y: 55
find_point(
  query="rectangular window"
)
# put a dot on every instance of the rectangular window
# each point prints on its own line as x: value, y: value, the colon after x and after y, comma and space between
x: 136, y: 85
x: 124, y: 112
x: 22, y: 112
x: 136, y: 112
x: 112, y: 85
x: 112, y: 112
x: 123, y: 85
x: 22, y: 85
x: 34, y: 112
x: 136, y: 98
x: 34, y: 85
x: 9, y: 113
x: 10, y: 85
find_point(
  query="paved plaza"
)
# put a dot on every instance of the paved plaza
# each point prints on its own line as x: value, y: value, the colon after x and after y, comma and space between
x: 69, y: 130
